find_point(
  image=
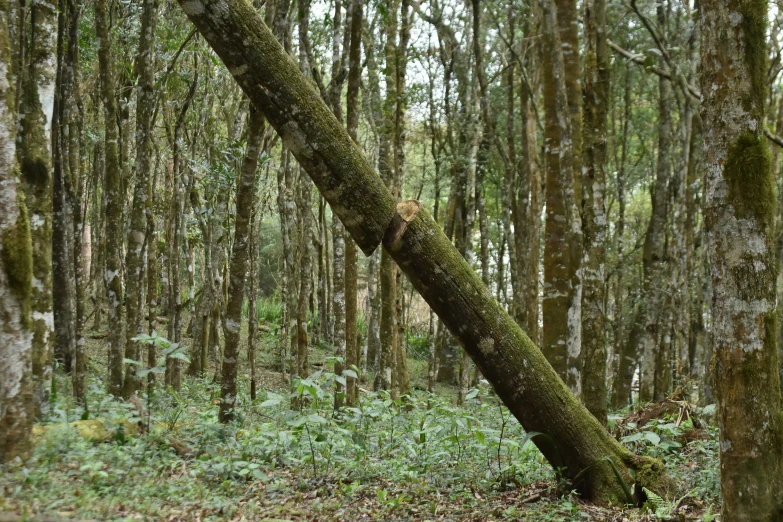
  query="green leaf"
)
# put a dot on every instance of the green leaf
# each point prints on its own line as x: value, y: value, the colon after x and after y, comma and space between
x: 131, y: 361
x: 350, y: 373
x: 633, y: 438
x: 181, y: 356
x: 652, y: 437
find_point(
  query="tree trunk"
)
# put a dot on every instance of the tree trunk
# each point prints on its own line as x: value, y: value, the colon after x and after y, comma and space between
x: 16, y: 276
x: 62, y: 253
x: 373, y: 337
x: 621, y: 390
x: 643, y: 337
x: 594, y: 211
x: 563, y: 236
x: 36, y: 112
x: 176, y: 213
x: 252, y: 296
x: 114, y: 198
x: 75, y: 194
x: 142, y: 195
x: 352, y: 358
x: 305, y: 273
x: 507, y: 358
x: 386, y: 166
x: 245, y: 201
x: 338, y: 306
x: 739, y: 212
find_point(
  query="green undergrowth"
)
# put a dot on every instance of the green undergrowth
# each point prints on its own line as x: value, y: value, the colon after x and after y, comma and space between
x: 421, y: 459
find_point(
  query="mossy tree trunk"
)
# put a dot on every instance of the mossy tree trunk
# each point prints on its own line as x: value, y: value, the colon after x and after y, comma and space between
x: 16, y: 274
x: 112, y: 186
x: 304, y: 205
x: 594, y: 211
x: 568, y: 25
x: 142, y: 194
x: 75, y: 193
x: 386, y: 165
x: 505, y: 355
x: 563, y: 234
x: 177, y: 242
x: 252, y: 297
x: 527, y: 223
x: 351, y: 276
x: 62, y: 231
x: 36, y: 112
x: 739, y: 212
x: 338, y: 305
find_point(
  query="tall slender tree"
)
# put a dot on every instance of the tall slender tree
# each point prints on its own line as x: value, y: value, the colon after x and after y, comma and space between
x: 142, y: 194
x: 563, y: 234
x: 114, y: 201
x: 240, y: 251
x: 596, y: 102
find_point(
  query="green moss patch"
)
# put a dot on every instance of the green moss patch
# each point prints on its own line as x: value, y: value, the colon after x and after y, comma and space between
x: 749, y: 178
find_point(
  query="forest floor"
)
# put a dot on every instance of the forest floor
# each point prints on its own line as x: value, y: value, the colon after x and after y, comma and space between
x: 167, y: 458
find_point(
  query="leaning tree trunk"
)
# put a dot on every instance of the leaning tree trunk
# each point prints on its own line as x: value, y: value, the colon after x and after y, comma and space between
x: 245, y: 197
x: 739, y: 213
x: 519, y: 372
x: 16, y: 276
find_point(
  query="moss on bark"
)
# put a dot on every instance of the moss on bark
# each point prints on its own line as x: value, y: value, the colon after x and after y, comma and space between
x: 749, y: 179
x: 18, y: 258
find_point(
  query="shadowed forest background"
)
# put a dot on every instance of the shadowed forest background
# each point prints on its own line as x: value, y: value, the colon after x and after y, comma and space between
x: 206, y: 314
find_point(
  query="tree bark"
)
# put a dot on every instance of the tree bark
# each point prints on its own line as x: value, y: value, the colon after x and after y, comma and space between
x: 338, y: 306
x: 563, y: 235
x: 245, y: 201
x: 621, y: 391
x: 739, y: 212
x: 352, y: 358
x: 17, y: 413
x: 36, y: 112
x: 62, y: 253
x: 593, y: 210
x: 75, y: 192
x: 507, y: 358
x: 114, y: 198
x: 142, y: 194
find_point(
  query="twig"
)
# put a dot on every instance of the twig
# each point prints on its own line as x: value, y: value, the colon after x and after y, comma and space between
x: 774, y: 138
